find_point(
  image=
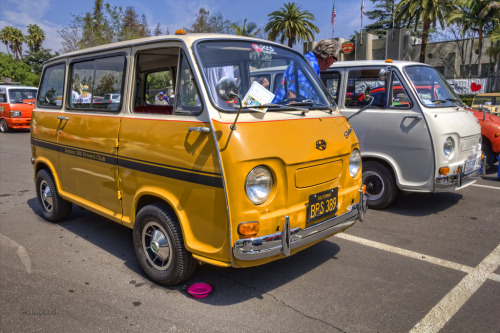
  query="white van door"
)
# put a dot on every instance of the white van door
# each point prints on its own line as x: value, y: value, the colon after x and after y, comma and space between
x: 392, y: 131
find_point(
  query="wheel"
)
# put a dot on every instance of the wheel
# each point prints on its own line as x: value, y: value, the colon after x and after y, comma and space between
x: 488, y: 153
x: 159, y: 246
x: 4, y: 128
x: 381, y: 187
x: 54, y: 208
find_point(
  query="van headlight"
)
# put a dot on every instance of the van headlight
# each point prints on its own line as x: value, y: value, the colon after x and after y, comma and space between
x: 258, y: 184
x: 16, y: 114
x: 354, y: 162
x: 449, y: 146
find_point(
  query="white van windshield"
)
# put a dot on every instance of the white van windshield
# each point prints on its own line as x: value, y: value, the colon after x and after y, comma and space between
x: 253, y: 63
x: 432, y: 88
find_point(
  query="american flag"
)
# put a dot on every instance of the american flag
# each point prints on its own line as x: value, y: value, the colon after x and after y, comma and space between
x: 334, y: 13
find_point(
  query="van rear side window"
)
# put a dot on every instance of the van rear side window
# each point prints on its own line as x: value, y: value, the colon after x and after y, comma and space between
x: 91, y: 80
x: 52, y: 87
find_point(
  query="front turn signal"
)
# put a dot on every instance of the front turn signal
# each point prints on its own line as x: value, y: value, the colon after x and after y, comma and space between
x: 249, y: 229
x: 444, y: 171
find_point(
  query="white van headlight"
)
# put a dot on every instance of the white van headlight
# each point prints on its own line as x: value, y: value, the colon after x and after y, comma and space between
x: 354, y: 162
x: 259, y: 184
x: 449, y: 146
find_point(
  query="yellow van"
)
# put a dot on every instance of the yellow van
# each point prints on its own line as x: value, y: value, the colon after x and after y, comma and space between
x: 202, y: 175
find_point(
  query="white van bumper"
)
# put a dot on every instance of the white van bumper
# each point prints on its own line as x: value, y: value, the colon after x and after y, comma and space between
x: 460, y: 179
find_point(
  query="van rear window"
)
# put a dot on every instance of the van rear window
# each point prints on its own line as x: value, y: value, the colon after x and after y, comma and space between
x: 52, y: 87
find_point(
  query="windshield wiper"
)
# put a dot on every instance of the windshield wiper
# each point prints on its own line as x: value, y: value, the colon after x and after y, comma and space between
x: 275, y: 106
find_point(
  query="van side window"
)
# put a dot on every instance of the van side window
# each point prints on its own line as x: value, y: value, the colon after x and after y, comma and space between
x: 3, y: 97
x: 187, y: 95
x: 93, y: 80
x: 399, y: 98
x: 361, y: 81
x: 332, y: 80
x: 52, y: 87
x: 155, y: 81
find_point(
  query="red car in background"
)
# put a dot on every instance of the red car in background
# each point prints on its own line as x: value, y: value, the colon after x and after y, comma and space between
x: 16, y: 104
x: 490, y: 130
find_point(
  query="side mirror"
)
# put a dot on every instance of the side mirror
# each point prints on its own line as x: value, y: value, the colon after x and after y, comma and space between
x: 227, y: 89
x: 385, y: 73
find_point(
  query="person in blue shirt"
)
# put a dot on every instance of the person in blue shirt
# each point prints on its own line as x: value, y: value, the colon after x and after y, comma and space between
x: 323, y: 55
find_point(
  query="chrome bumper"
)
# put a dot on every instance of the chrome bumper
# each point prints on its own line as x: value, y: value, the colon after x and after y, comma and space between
x: 290, y: 239
x: 460, y: 180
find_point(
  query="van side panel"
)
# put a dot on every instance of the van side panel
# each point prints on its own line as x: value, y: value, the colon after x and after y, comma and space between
x: 87, y: 157
x: 43, y: 139
x: 162, y: 158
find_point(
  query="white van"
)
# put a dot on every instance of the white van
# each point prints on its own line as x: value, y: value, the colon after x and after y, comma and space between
x: 417, y: 137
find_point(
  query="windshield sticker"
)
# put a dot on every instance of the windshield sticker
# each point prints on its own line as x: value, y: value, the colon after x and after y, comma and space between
x: 257, y: 47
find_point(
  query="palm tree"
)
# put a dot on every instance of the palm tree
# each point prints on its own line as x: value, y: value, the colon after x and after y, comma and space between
x: 16, y: 42
x: 429, y: 12
x: 35, y: 37
x: 245, y: 30
x: 291, y: 23
x: 477, y: 16
x: 6, y: 36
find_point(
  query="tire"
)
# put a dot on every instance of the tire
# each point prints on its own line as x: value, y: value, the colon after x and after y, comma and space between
x: 381, y: 188
x: 488, y: 153
x: 159, y: 246
x: 4, y: 128
x: 53, y: 207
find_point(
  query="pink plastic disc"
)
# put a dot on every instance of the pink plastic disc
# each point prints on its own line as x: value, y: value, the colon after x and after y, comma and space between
x: 200, y: 290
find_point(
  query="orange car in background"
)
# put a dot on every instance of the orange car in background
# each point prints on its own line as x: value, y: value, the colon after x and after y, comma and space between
x: 16, y: 104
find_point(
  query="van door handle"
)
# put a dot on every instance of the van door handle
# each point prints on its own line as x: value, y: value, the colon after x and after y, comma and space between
x: 62, y: 118
x: 200, y: 129
x: 413, y: 117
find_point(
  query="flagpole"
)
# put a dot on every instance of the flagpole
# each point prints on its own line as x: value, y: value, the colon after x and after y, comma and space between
x: 361, y: 30
x: 334, y: 14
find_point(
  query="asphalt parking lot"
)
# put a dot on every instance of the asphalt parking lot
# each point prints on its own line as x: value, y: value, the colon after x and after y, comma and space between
x: 429, y: 263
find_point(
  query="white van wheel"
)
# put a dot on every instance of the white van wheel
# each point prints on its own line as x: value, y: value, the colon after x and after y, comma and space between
x: 159, y: 246
x: 381, y: 188
x: 54, y: 208
x: 4, y: 128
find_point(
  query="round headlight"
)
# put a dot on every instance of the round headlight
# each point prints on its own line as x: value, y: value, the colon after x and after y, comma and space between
x: 354, y: 162
x: 259, y: 184
x: 449, y: 146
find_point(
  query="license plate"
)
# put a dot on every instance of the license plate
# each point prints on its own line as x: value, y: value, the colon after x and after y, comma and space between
x: 470, y: 164
x: 322, y: 204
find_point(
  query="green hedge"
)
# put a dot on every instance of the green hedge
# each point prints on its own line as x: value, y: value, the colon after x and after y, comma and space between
x: 467, y: 99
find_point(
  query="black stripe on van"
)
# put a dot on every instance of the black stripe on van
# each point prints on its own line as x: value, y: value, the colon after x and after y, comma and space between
x: 214, y: 180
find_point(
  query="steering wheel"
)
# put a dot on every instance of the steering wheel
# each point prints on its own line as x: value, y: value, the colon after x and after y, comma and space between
x: 286, y: 100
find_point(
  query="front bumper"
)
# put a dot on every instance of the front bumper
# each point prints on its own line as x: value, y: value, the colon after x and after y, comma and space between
x: 290, y: 239
x: 459, y: 180
x: 18, y: 123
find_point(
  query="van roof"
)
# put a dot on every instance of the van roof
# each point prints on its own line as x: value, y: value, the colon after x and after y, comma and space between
x: 395, y: 63
x: 187, y: 39
x: 8, y: 86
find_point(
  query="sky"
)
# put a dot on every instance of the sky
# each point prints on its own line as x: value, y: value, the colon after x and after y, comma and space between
x: 54, y: 15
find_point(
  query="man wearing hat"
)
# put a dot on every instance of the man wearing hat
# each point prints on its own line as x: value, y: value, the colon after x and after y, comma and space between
x: 324, y: 54
x: 161, y: 99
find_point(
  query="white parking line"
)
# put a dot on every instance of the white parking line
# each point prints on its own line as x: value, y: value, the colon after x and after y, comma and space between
x: 451, y: 303
x: 487, y: 186
x: 21, y: 251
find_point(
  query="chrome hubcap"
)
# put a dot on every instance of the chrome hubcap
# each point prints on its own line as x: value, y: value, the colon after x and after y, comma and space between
x: 374, y: 185
x: 46, y: 196
x: 156, y: 245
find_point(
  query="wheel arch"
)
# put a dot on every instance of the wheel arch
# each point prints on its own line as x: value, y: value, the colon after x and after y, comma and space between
x: 386, y: 163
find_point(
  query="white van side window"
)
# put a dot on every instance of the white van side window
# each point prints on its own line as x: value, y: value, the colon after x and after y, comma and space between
x: 399, y: 98
x: 52, y: 87
x: 92, y: 80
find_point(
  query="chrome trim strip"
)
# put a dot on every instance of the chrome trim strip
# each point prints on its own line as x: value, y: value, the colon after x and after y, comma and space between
x: 287, y: 240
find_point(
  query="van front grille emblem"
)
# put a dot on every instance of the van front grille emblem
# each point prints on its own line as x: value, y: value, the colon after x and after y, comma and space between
x: 321, y: 144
